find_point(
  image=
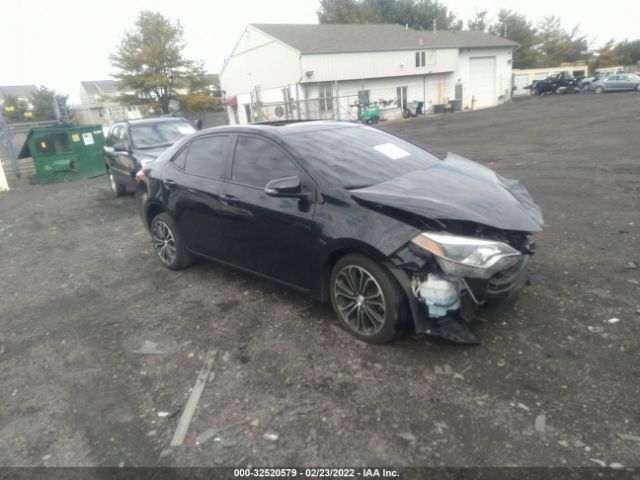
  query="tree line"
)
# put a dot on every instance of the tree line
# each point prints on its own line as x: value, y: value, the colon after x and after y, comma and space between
x: 544, y: 44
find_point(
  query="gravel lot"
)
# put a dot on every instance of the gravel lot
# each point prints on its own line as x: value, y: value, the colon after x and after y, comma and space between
x: 554, y: 381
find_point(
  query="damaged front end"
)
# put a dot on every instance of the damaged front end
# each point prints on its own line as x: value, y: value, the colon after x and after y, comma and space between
x: 452, y: 275
x: 474, y: 244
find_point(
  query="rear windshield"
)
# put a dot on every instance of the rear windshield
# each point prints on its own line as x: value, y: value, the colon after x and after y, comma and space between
x: 161, y: 134
x: 358, y: 157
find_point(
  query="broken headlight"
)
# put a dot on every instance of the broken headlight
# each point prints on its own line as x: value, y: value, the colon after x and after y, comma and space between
x: 467, y: 256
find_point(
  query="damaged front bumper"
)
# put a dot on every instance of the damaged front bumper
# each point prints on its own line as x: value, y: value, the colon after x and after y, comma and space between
x: 442, y: 302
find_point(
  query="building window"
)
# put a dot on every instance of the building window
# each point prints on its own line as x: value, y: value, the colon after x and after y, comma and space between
x: 363, y: 97
x: 326, y: 96
x: 425, y: 58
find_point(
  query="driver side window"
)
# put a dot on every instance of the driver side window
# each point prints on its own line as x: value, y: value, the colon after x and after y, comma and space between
x: 256, y: 162
x: 119, y: 138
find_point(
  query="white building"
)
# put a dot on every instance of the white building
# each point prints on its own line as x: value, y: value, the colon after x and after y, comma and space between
x: 279, y: 71
x: 99, y: 103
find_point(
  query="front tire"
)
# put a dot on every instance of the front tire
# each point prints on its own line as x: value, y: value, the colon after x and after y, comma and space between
x: 117, y: 188
x: 599, y: 90
x: 638, y: 87
x: 375, y: 120
x: 168, y: 243
x: 366, y: 299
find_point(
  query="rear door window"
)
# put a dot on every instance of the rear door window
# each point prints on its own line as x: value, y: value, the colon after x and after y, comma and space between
x: 256, y: 162
x: 180, y: 160
x: 207, y: 156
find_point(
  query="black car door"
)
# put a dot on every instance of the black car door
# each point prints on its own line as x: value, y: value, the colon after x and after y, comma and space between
x: 269, y: 235
x: 116, y: 150
x: 125, y: 160
x: 194, y: 184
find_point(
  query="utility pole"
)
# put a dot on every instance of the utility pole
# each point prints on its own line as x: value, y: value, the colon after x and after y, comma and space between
x: 5, y: 141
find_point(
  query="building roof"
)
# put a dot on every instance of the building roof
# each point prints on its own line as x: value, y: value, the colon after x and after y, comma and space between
x: 23, y: 91
x: 343, y: 38
x: 99, y: 86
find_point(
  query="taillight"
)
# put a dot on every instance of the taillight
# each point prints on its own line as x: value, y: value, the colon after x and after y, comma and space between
x: 139, y: 177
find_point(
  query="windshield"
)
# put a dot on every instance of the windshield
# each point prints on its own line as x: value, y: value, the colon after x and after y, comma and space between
x: 357, y: 157
x: 161, y: 134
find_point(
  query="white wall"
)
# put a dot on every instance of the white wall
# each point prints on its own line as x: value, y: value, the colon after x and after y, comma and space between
x: 355, y: 66
x: 259, y: 60
x: 503, y: 72
x: 431, y: 89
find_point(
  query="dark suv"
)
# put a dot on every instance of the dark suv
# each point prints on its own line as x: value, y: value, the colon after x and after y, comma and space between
x: 132, y: 144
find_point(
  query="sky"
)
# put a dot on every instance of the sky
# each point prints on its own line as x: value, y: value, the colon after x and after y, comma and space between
x: 58, y: 43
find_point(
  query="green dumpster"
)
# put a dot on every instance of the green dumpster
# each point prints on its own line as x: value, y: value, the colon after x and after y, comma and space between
x: 65, y: 153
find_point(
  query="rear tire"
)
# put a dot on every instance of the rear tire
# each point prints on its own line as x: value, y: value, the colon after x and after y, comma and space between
x: 406, y: 113
x: 168, y: 243
x: 638, y: 87
x: 366, y: 299
x: 375, y: 120
x: 117, y: 188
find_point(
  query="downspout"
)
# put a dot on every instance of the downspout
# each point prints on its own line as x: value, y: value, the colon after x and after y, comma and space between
x: 424, y: 93
x: 338, y: 98
x: 305, y: 90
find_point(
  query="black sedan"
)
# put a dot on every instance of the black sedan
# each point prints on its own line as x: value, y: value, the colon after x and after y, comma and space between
x: 392, y: 235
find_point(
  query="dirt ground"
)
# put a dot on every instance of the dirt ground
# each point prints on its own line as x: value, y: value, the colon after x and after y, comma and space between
x: 555, y: 380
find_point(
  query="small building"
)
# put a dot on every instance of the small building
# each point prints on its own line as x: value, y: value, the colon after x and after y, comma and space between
x: 99, y: 104
x: 279, y: 71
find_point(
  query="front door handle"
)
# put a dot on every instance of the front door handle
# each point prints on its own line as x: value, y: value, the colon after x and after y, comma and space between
x: 169, y: 183
x: 228, y: 199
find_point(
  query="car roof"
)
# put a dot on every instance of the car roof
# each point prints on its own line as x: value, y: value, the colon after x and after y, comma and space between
x: 282, y: 128
x: 144, y: 121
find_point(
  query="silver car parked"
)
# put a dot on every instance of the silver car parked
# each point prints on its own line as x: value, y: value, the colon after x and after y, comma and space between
x: 616, y: 83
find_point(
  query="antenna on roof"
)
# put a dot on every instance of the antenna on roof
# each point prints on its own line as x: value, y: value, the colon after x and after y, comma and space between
x: 435, y: 25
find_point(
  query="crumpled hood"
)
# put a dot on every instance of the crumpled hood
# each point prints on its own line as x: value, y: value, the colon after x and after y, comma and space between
x: 459, y: 189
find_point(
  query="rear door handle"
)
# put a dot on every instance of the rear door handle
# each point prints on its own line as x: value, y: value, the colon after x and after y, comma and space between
x: 169, y: 183
x: 228, y: 199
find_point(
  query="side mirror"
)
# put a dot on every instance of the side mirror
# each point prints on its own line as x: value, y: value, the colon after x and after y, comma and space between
x: 284, y: 187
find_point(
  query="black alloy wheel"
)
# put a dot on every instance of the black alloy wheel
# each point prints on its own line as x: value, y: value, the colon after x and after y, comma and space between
x: 117, y: 188
x: 366, y: 299
x: 168, y: 244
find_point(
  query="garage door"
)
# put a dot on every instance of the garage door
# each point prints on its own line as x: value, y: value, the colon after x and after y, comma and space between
x: 521, y: 80
x: 482, y: 81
